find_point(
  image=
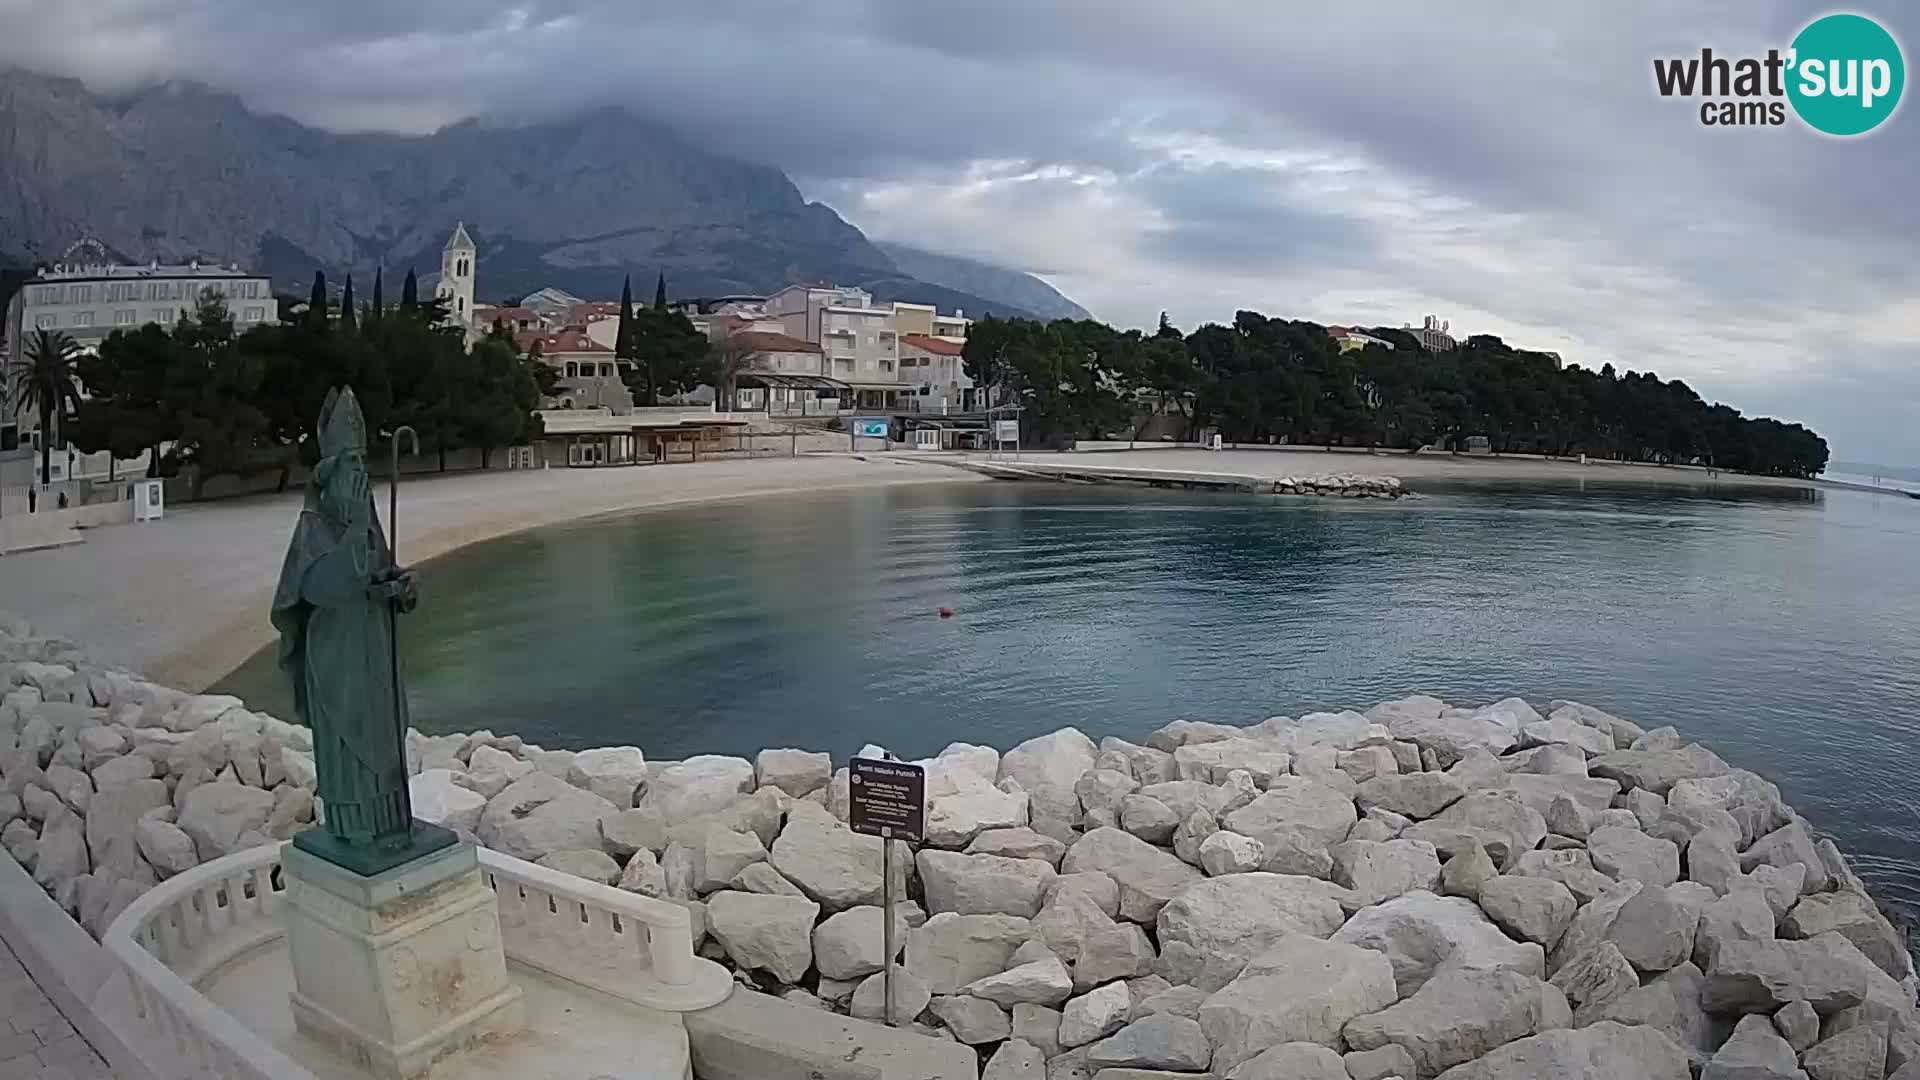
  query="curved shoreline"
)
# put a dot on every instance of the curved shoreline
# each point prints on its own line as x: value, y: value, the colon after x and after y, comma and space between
x: 206, y: 572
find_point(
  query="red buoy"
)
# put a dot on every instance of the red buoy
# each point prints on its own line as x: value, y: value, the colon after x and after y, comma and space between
x: 946, y: 613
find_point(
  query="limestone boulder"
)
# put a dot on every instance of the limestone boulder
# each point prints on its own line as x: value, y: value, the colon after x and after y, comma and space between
x: 1383, y: 870
x: 1102, y: 789
x: 773, y: 934
x: 721, y: 854
x: 1753, y: 803
x: 222, y: 818
x: 1016, y: 1059
x: 1298, y: 989
x: 439, y: 798
x: 761, y: 878
x: 1787, y: 846
x: 1454, y: 732
x: 1467, y: 872
x: 1422, y: 934
x: 983, y: 884
x: 703, y: 784
x: 1047, y: 768
x: 624, y: 832
x: 1657, y: 770
x: 851, y: 944
x: 1604, y: 1051
x: 1529, y: 908
x: 1762, y: 976
x: 1669, y: 1002
x: 125, y: 769
x: 1496, y: 820
x: 1193, y: 834
x: 1143, y: 817
x: 1754, y: 1052
x: 1094, y: 1015
x: 1858, y: 1053
x: 1295, y: 1061
x: 1210, y: 928
x: 1161, y: 1041
x: 1224, y: 852
x: 1113, y: 951
x: 1595, y: 976
x: 831, y: 863
x: 949, y: 951
x: 113, y: 813
x: 910, y: 998
x: 490, y: 770
x: 972, y: 1020
x: 1850, y: 914
x: 1210, y: 762
x: 1148, y: 876
x: 590, y: 863
x: 1038, y: 1025
x: 1460, y: 1015
x: 796, y: 772
x: 1313, y: 810
x: 1018, y: 843
x: 1066, y: 921
x: 961, y: 805
x: 1593, y: 795
x: 61, y: 855
x: 1631, y: 855
x: 1041, y: 982
x: 1186, y: 732
x: 1571, y: 867
x: 539, y: 813
x: 1417, y: 795
x: 644, y: 875
x: 165, y: 846
x: 1655, y: 929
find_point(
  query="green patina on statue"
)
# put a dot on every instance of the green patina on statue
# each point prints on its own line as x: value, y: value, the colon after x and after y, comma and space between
x: 339, y: 598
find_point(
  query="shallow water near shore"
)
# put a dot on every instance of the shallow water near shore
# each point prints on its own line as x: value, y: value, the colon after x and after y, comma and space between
x: 1780, y: 627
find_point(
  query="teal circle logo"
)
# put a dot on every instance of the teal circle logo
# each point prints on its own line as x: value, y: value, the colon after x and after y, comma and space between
x: 1846, y: 74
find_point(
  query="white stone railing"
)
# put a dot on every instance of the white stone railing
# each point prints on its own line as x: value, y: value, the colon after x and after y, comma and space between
x: 185, y: 929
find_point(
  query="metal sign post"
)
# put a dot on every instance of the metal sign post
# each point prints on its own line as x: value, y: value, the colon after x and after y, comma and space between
x: 887, y: 799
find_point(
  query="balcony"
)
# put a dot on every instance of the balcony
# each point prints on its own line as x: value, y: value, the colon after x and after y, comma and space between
x: 204, y: 978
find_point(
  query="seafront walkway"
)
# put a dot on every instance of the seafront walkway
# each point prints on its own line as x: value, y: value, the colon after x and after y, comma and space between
x: 36, y: 1041
x: 185, y: 599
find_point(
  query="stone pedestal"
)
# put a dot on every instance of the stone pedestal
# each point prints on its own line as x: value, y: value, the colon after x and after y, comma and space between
x: 399, y: 969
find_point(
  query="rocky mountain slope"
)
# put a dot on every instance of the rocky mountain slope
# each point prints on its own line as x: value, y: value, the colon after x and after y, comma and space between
x: 181, y: 171
x: 1011, y: 287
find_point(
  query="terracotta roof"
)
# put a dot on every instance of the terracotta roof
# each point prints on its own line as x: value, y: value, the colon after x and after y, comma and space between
x: 571, y: 339
x: 934, y: 345
x: 598, y: 307
x: 767, y: 341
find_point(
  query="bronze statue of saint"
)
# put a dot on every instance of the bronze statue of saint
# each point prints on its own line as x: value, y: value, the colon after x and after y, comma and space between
x: 339, y: 598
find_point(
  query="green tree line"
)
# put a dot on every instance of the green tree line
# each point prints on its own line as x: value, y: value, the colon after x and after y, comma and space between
x: 1264, y: 380
x: 244, y: 404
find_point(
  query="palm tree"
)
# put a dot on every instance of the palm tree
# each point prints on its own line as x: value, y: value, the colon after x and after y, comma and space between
x: 44, y: 380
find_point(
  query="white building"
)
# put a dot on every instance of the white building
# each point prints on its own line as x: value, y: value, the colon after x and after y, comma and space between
x: 456, y: 276
x: 88, y: 301
x: 1434, y: 335
x: 935, y: 374
x: 858, y: 341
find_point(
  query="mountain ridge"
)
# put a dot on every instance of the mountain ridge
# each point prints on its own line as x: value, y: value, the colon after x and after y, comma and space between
x: 178, y: 171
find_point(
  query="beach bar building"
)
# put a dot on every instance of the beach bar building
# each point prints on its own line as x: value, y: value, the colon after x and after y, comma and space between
x: 589, y: 438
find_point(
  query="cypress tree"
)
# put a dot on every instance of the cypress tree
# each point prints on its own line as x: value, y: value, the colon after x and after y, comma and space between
x: 317, y: 299
x: 660, y: 292
x: 379, y: 302
x: 623, y: 337
x: 348, y: 320
x: 409, y: 292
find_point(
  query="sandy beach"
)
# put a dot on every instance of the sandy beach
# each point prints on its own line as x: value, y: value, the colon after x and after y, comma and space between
x: 185, y: 599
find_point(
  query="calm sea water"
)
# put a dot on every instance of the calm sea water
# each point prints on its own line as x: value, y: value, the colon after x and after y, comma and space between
x: 1782, y: 628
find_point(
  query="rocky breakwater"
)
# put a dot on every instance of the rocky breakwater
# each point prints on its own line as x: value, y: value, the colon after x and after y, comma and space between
x: 1348, y: 485
x: 1417, y: 891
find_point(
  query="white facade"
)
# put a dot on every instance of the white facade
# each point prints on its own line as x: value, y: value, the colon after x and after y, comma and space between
x: 456, y: 275
x: 1434, y: 335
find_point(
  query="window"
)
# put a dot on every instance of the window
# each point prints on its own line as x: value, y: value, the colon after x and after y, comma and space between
x: 256, y: 314
x: 573, y: 370
x: 155, y: 291
x: 45, y: 322
x: 606, y: 370
x: 83, y: 294
x: 83, y: 318
x: 123, y: 317
x: 886, y: 365
x: 159, y: 315
x: 460, y: 304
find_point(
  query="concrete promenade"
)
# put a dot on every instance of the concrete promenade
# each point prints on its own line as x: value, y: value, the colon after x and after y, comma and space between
x: 185, y: 599
x: 36, y: 1042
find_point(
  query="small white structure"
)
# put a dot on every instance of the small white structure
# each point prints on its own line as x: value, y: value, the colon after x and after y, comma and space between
x: 149, y: 500
x: 456, y: 275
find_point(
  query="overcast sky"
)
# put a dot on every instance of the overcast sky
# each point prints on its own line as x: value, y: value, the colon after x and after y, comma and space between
x: 1506, y: 166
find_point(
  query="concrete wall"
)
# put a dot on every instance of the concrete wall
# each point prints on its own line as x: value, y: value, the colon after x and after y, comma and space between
x: 752, y: 1036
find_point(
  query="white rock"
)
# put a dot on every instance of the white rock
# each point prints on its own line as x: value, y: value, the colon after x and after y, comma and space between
x: 299, y: 768
x: 1603, y: 1051
x: 1754, y: 1052
x: 1851, y: 914
x: 851, y: 944
x: 615, y: 773
x: 1497, y: 820
x: 1230, y: 853
x: 1146, y: 818
x: 961, y: 805
x: 167, y: 848
x: 1094, y: 1015
x: 439, y: 799
x: 721, y: 854
x: 948, y: 952
x: 624, y: 832
x: 1211, y: 762
x: 1102, y: 789
x: 1047, y: 768
x: 1383, y: 870
x: 1016, y: 1060
x: 594, y: 865
x: 223, y: 818
x: 1594, y: 977
x: 1209, y: 928
x: 1295, y: 1061
x: 1529, y: 908
x: 1460, y: 1015
x: 1193, y: 833
x: 1568, y: 731
x: 1043, y: 982
x: 704, y: 784
x: 973, y: 1020
x: 539, y: 813
x: 796, y: 772
x: 1789, y: 845
x: 1113, y: 951
x: 773, y: 934
x: 62, y: 852
x: 1423, y: 934
x: 1018, y: 843
x: 644, y: 875
x: 112, y: 814
x: 1631, y: 855
x: 489, y: 771
x: 1298, y: 989
x: 1312, y: 809
x: 1654, y: 929
x: 1761, y: 976
x: 910, y: 996
x: 122, y: 770
x: 1038, y: 1025
x: 1148, y: 876
x: 1417, y: 795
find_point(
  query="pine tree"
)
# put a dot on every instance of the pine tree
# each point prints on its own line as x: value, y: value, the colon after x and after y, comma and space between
x: 379, y: 305
x: 409, y: 292
x: 660, y: 292
x: 623, y: 337
x: 348, y: 320
x: 317, y: 299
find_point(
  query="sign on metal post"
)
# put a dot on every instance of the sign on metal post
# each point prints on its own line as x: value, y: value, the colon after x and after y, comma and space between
x: 1006, y: 431
x: 887, y: 799
x: 872, y: 428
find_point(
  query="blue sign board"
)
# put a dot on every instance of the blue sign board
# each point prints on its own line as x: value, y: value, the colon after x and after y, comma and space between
x: 870, y: 429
